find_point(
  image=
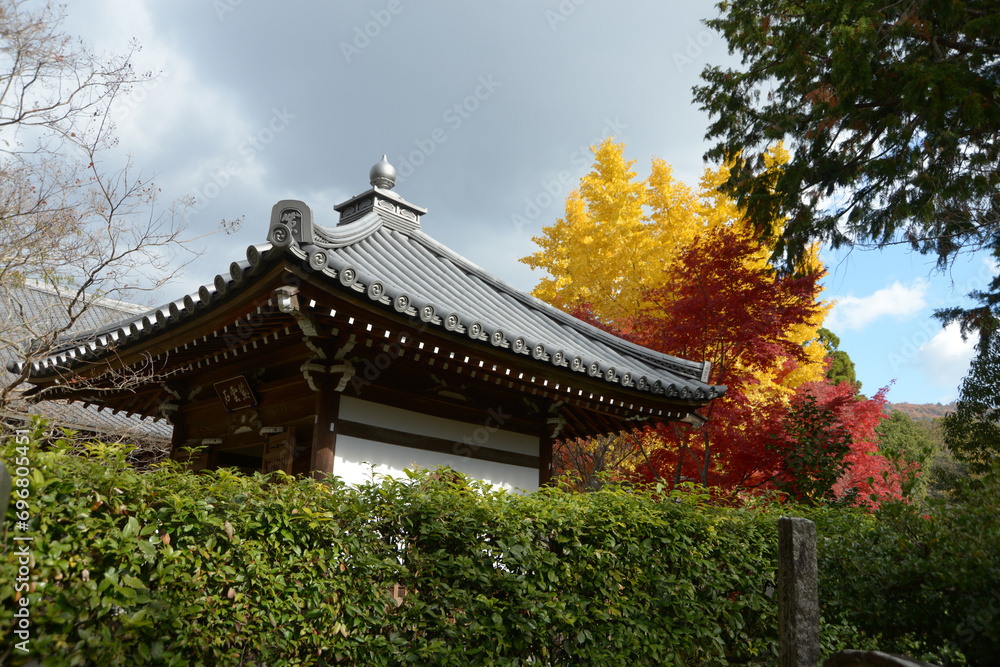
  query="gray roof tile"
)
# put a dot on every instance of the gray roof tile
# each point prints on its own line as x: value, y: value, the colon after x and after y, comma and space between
x: 45, y: 309
x: 380, y: 246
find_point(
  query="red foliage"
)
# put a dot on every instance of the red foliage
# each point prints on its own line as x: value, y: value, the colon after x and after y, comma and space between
x: 742, y: 443
x: 868, y: 472
x: 726, y: 308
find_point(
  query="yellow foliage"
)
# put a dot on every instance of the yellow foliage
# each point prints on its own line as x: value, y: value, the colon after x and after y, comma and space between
x: 606, y: 251
x: 619, y: 237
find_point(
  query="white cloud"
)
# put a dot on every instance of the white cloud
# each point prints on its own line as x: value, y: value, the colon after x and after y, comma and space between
x: 176, y: 110
x: 897, y: 300
x: 945, y: 359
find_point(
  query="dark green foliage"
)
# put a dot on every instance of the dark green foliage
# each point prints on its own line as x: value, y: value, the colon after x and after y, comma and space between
x: 972, y: 432
x: 842, y: 369
x: 841, y: 366
x: 608, y: 578
x: 941, y: 471
x: 175, y: 568
x: 891, y: 111
x: 828, y: 338
x: 983, y: 319
x: 814, y: 450
x: 919, y: 582
x: 905, y: 443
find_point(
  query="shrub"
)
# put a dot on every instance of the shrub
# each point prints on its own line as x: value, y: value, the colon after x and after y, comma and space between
x: 169, y: 567
x: 923, y: 582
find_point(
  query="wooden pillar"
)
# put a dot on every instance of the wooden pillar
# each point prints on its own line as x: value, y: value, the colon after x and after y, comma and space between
x: 279, y: 452
x: 178, y: 437
x: 324, y: 443
x: 545, y: 459
x: 798, y: 599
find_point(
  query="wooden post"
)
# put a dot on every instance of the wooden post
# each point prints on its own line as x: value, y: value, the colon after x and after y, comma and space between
x: 798, y: 599
x: 544, y: 460
x: 324, y: 443
x: 278, y: 453
x: 178, y: 436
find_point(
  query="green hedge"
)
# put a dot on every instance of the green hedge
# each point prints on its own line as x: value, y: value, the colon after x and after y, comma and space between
x: 176, y: 568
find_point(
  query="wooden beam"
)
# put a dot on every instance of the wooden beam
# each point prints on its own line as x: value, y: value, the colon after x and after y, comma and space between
x: 437, y: 445
x: 447, y: 409
x: 382, y: 317
x: 179, y: 435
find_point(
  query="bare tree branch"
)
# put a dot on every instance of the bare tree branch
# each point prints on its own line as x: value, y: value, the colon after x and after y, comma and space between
x: 75, y: 221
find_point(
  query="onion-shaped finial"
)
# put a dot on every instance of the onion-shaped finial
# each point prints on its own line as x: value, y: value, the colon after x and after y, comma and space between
x: 383, y: 174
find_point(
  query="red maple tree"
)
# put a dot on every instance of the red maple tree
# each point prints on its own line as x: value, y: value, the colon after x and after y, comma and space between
x: 727, y: 308
x: 869, y: 476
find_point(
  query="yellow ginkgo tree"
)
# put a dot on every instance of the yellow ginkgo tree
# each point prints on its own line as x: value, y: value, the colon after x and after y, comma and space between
x: 616, y: 238
x: 622, y: 238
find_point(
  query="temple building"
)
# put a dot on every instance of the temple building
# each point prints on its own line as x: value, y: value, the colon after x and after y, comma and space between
x: 368, y: 345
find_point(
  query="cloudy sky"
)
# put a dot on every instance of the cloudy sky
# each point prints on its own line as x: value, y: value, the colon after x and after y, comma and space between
x: 487, y: 111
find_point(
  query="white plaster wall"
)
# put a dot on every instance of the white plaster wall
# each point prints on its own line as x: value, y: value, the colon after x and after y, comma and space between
x: 355, y: 456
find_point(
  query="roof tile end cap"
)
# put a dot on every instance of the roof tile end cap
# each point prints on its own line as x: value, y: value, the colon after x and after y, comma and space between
x: 291, y: 223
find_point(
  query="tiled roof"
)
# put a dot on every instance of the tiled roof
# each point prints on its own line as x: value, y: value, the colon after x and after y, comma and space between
x: 45, y: 310
x: 467, y: 300
x: 120, y: 427
x: 379, y: 253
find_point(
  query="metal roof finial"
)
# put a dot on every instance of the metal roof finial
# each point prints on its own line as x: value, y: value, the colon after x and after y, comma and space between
x: 383, y: 175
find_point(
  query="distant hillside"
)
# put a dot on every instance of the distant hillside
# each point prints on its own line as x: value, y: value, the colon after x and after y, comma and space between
x: 922, y: 411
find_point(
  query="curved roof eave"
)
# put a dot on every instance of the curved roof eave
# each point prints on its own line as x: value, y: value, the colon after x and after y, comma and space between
x: 410, y: 264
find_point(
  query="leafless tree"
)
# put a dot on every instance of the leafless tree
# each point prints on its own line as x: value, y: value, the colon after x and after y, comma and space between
x: 75, y: 218
x: 589, y: 463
